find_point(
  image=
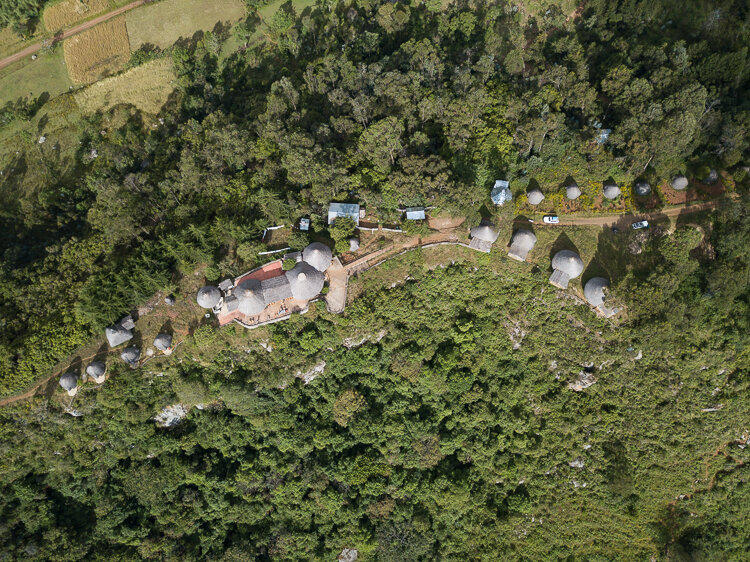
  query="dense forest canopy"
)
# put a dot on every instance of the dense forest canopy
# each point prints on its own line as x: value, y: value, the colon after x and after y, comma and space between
x: 437, y: 438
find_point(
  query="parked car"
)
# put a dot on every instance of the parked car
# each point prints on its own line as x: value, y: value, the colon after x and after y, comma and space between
x: 551, y: 219
x: 640, y: 224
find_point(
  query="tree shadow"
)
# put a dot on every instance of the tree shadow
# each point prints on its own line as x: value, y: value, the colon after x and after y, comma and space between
x: 532, y: 185
x: 101, y: 354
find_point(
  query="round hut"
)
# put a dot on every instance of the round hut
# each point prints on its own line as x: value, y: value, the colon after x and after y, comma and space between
x: 96, y: 371
x: 535, y: 196
x: 679, y: 182
x: 642, y: 188
x: 521, y: 244
x: 611, y: 191
x: 208, y: 296
x: 117, y: 335
x: 250, y: 295
x: 572, y: 192
x: 484, y: 232
x: 595, y: 291
x: 568, y: 262
x: 131, y: 355
x: 305, y: 281
x: 69, y: 382
x: 317, y: 255
x: 163, y: 342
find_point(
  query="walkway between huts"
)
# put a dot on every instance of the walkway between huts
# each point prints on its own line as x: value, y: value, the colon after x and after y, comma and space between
x: 337, y: 281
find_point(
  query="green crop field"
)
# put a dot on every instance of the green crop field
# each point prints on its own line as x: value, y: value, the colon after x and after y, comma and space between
x: 46, y: 74
x: 164, y: 23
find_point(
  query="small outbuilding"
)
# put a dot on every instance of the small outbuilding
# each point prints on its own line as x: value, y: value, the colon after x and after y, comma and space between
x: 483, y: 237
x: 500, y: 193
x: 679, y: 182
x: 117, y: 335
x: 305, y: 281
x: 163, y: 342
x: 642, y: 188
x: 69, y: 382
x: 131, y: 356
x: 208, y: 296
x: 572, y: 191
x: 250, y: 298
x: 535, y: 196
x: 97, y: 370
x: 415, y: 214
x: 566, y: 265
x: 304, y: 224
x: 521, y: 244
x: 611, y: 191
x: 336, y: 210
x: 318, y: 255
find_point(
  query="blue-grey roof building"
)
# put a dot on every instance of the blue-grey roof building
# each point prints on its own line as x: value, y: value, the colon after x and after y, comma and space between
x: 336, y: 210
x: 415, y: 213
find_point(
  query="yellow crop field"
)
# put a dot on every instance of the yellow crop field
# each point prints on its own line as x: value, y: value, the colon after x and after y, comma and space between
x: 163, y: 23
x: 147, y: 87
x: 68, y: 12
x: 97, y: 52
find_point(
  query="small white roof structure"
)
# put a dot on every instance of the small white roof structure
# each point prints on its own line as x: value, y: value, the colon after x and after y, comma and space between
x: 250, y: 296
x: 611, y: 191
x: 535, y: 196
x: 304, y: 224
x: 318, y: 255
x: 566, y: 265
x: 163, y: 342
x: 336, y: 210
x: 208, y: 296
x: 642, y: 188
x: 521, y: 244
x: 69, y: 382
x: 482, y: 237
x: 305, y: 281
x: 131, y: 355
x: 96, y: 371
x: 500, y: 193
x: 679, y: 182
x: 572, y: 192
x: 415, y: 213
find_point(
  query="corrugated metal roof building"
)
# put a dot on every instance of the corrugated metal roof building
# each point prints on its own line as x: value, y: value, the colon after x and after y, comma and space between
x: 336, y: 210
x: 415, y: 213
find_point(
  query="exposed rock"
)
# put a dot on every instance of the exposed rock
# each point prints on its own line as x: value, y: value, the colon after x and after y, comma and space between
x: 348, y: 555
x: 582, y: 381
x: 169, y: 299
x: 351, y: 343
x: 267, y: 346
x: 577, y: 463
x: 171, y: 416
x: 309, y: 376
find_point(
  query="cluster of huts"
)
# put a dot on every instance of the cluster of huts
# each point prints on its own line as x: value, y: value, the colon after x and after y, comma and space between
x: 117, y: 334
x: 566, y: 264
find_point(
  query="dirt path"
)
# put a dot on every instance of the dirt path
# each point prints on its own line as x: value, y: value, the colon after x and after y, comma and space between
x: 337, y: 281
x: 28, y: 51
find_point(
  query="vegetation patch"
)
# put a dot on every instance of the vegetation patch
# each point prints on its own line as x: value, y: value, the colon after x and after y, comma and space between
x: 164, y: 23
x: 97, y: 52
x: 147, y: 87
x: 29, y: 79
x: 68, y: 12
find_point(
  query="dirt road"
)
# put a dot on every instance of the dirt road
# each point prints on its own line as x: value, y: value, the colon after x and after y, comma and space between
x: 28, y: 51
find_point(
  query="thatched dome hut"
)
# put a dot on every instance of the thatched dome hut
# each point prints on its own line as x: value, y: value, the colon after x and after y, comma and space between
x: 250, y: 295
x: 96, y: 371
x: 595, y: 290
x: 535, y: 196
x: 131, y: 355
x: 642, y: 188
x: 208, y: 296
x: 305, y: 281
x: 572, y: 192
x: 317, y: 255
x: 566, y: 265
x: 679, y: 182
x: 611, y: 191
x: 163, y: 342
x: 117, y: 335
x: 69, y: 382
x: 521, y: 244
x: 484, y: 232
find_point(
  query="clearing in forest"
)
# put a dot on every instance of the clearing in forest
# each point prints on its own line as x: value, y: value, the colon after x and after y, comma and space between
x: 66, y: 13
x: 164, y: 23
x: 97, y: 52
x: 147, y: 87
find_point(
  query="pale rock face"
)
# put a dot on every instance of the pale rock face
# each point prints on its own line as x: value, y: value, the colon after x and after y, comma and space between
x: 582, y: 381
x: 171, y: 416
x: 348, y: 555
x: 577, y: 463
x: 310, y: 375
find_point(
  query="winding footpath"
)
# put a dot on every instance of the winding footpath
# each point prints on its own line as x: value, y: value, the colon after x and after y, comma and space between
x: 30, y: 50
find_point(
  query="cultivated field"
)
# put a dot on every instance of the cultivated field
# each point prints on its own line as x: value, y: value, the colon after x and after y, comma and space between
x: 163, y: 23
x: 68, y: 12
x: 147, y: 87
x: 97, y: 52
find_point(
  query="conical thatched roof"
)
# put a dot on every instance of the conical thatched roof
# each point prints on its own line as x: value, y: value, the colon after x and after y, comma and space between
x: 568, y: 262
x: 594, y: 291
x: 535, y: 196
x: 521, y: 244
x: 484, y: 232
x: 305, y: 281
x: 163, y: 342
x: 117, y: 335
x: 611, y: 191
x: 317, y: 255
x: 208, y: 296
x: 131, y: 355
x: 97, y: 369
x: 572, y: 192
x: 250, y: 295
x: 679, y: 182
x: 642, y: 188
x: 69, y: 381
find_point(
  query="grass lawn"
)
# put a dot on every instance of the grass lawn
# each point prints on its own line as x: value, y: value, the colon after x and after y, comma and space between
x: 164, y: 23
x: 46, y: 74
